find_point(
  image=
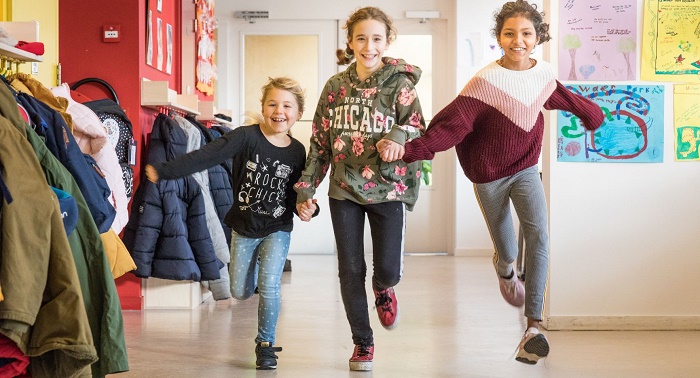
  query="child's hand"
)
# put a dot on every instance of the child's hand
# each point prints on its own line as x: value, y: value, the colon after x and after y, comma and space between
x: 151, y: 173
x: 389, y: 150
x: 306, y: 209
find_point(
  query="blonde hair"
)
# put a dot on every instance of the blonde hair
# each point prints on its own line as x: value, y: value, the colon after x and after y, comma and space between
x: 367, y: 13
x: 285, y: 83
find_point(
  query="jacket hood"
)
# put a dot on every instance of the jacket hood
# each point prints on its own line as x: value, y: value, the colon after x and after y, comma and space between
x: 167, y: 140
x: 391, y: 67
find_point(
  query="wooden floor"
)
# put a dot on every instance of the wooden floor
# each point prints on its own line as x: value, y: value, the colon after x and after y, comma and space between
x: 454, y: 323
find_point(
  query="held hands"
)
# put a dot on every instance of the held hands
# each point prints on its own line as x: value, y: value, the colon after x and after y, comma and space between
x: 306, y: 209
x: 389, y: 150
x: 151, y: 173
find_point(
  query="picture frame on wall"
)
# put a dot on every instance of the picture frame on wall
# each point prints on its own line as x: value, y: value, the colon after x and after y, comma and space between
x: 159, y: 6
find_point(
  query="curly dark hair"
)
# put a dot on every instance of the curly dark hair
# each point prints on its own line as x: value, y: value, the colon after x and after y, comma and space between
x: 524, y: 9
x: 346, y: 55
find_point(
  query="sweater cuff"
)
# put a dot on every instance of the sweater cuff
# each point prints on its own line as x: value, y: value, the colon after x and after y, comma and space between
x: 414, y: 152
x: 397, y: 135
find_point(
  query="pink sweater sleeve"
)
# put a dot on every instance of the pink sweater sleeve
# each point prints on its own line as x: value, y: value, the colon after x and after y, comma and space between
x: 588, y: 111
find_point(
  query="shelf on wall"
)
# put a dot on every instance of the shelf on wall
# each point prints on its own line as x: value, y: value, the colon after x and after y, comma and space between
x: 20, y: 55
x: 157, y: 95
x: 21, y: 31
x: 207, y: 110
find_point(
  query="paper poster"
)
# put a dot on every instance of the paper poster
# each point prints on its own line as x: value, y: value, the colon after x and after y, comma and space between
x: 149, y: 39
x: 597, y: 40
x: 632, y: 131
x: 159, y: 42
x: 205, y: 70
x: 671, y: 40
x: 169, y: 49
x: 686, y: 119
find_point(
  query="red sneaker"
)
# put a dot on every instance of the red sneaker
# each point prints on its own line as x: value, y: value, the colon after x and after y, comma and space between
x: 361, y: 359
x: 387, y: 307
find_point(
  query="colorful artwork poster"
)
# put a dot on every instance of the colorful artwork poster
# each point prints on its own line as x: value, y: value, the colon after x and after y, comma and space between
x: 598, y: 40
x: 205, y: 69
x: 686, y: 119
x: 671, y: 40
x: 632, y: 131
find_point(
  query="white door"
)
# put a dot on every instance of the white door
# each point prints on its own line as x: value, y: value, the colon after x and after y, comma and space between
x: 303, y: 50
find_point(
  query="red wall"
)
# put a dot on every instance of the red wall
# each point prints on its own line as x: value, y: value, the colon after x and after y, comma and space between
x: 82, y: 54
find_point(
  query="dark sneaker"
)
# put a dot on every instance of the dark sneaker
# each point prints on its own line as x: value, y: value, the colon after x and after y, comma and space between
x: 532, y: 347
x: 361, y: 359
x: 266, y: 359
x: 387, y: 307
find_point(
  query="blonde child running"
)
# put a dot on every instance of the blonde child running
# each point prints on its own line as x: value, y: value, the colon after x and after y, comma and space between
x: 267, y: 162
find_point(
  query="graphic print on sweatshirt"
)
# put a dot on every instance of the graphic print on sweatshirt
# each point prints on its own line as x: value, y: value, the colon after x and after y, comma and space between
x: 263, y: 190
x: 358, y: 114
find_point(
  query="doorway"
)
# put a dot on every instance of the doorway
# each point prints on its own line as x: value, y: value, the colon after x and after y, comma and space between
x: 305, y: 50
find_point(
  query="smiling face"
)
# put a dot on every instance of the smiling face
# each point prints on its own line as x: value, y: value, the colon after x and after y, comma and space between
x: 369, y: 41
x: 517, y: 39
x: 280, y: 111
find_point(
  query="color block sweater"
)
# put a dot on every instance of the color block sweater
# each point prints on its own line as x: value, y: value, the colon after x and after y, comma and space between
x: 496, y: 122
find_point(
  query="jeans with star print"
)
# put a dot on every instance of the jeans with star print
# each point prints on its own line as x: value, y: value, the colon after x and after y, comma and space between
x: 258, y: 262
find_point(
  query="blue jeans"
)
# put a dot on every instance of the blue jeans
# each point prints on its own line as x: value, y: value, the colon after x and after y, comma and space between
x: 258, y: 262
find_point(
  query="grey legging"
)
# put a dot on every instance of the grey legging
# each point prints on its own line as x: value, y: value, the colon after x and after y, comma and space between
x: 525, y: 190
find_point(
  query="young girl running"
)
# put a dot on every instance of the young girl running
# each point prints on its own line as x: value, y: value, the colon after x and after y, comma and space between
x: 357, y: 108
x: 497, y: 125
x: 267, y: 162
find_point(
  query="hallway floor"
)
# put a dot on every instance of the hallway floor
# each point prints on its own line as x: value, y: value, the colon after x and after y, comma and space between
x: 454, y: 323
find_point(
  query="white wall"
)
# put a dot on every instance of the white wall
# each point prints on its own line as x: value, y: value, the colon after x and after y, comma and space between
x: 624, y: 237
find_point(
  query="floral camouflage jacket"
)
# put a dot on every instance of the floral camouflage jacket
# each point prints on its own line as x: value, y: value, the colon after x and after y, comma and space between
x: 351, y: 117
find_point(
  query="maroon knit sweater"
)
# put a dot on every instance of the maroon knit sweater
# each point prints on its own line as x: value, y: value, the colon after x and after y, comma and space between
x: 496, y: 122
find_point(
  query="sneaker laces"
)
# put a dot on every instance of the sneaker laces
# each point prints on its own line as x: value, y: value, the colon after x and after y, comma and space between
x: 269, y: 352
x: 384, y: 301
x: 363, y: 350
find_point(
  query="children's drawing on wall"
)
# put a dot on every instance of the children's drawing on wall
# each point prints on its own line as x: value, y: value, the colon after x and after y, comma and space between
x: 598, y: 40
x: 631, y: 133
x: 159, y: 42
x: 169, y: 44
x: 671, y: 40
x: 686, y: 117
x: 149, y: 39
x: 205, y: 71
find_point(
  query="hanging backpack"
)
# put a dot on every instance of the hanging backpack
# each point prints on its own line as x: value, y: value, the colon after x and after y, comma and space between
x: 119, y: 130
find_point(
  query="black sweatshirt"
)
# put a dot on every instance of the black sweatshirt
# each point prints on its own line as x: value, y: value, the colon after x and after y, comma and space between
x: 264, y: 200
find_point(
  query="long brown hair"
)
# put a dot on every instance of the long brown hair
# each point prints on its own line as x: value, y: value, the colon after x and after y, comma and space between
x: 367, y: 13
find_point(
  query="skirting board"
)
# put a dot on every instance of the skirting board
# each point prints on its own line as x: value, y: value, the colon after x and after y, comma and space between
x: 623, y: 323
x: 463, y: 252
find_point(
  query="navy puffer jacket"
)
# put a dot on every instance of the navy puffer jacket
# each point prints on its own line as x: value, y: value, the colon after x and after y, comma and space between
x: 167, y: 232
